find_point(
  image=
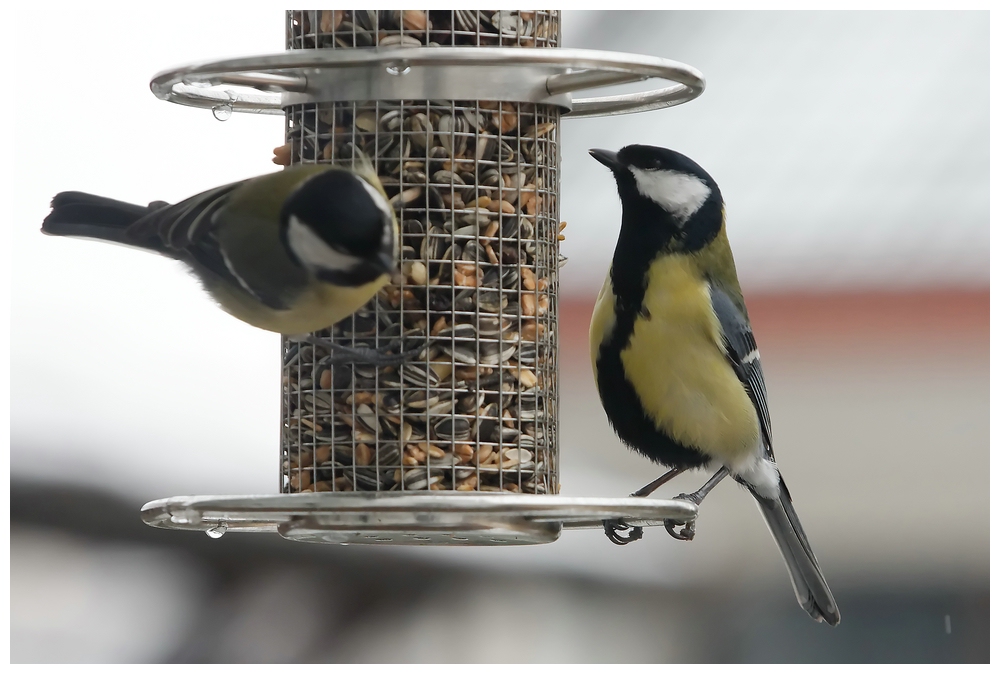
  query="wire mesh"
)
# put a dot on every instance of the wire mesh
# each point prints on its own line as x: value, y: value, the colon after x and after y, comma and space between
x: 475, y: 188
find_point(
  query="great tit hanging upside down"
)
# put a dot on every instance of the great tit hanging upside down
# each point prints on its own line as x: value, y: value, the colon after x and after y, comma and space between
x: 290, y: 252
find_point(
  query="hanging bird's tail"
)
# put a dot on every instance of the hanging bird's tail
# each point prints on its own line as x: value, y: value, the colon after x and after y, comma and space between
x: 810, y: 586
x: 89, y: 216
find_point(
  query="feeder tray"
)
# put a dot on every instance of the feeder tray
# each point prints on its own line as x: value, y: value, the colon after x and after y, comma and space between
x: 538, y: 83
x: 409, y: 519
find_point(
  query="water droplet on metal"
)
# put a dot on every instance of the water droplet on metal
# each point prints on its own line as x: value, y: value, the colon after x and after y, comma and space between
x: 218, y: 531
x: 223, y: 112
x: 398, y: 68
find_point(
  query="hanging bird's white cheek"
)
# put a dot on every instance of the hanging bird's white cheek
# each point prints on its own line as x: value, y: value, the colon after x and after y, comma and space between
x: 383, y: 206
x: 680, y: 194
x: 314, y: 252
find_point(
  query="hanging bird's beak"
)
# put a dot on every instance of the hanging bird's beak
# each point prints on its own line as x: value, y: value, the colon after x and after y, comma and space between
x: 386, y: 263
x: 608, y: 158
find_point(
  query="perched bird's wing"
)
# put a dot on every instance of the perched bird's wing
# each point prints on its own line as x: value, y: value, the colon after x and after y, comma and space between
x: 811, y: 589
x: 741, y: 349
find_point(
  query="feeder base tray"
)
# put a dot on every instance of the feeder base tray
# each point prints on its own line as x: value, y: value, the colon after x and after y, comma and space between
x: 409, y: 519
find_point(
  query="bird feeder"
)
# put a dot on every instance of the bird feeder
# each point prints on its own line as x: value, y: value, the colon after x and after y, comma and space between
x: 459, y: 112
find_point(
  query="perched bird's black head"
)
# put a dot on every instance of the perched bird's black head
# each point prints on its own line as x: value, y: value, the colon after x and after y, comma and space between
x: 667, y: 193
x: 340, y: 228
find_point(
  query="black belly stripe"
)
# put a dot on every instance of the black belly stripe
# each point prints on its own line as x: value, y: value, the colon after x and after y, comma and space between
x: 645, y: 233
x: 625, y: 412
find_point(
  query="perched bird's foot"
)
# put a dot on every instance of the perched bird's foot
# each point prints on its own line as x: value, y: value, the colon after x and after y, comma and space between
x: 612, y: 527
x: 340, y: 354
x: 693, y: 498
x: 685, y: 534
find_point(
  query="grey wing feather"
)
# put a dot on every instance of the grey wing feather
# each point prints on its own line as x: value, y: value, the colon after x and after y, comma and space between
x: 183, y: 225
x: 744, y: 357
x: 187, y: 228
x: 811, y: 588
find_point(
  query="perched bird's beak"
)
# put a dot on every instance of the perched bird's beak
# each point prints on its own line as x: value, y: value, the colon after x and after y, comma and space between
x: 608, y: 158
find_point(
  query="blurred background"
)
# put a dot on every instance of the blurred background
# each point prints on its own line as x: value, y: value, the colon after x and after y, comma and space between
x: 852, y: 149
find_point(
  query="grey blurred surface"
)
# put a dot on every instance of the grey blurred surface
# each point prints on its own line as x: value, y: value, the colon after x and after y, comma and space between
x: 95, y: 585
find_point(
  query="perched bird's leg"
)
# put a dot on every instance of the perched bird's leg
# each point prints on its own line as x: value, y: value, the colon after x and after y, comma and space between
x: 699, y: 496
x: 687, y: 533
x: 612, y: 527
x: 658, y: 482
x: 340, y: 354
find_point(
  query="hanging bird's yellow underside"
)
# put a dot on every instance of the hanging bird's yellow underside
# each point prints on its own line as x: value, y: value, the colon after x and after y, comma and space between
x: 675, y: 361
x: 319, y: 306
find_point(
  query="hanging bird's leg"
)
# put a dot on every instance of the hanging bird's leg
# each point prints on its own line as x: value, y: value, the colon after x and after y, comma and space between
x: 687, y: 533
x: 612, y: 527
x: 340, y: 354
x: 658, y: 482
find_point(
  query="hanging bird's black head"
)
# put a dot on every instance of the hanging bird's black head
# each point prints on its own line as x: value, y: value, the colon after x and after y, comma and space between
x: 339, y: 227
x: 666, y: 198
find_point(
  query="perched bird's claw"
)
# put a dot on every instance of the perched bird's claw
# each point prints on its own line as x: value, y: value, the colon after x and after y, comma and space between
x: 612, y: 527
x: 685, y: 534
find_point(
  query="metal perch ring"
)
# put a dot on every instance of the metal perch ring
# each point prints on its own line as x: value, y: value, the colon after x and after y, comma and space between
x: 267, y: 84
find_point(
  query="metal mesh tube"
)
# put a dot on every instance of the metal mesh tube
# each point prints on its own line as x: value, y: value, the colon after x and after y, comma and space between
x: 475, y: 188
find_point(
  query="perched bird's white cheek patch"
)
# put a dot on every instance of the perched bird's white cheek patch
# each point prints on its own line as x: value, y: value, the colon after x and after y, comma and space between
x: 314, y: 252
x: 680, y: 194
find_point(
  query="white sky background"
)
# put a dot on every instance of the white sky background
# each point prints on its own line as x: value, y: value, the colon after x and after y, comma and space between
x: 852, y: 149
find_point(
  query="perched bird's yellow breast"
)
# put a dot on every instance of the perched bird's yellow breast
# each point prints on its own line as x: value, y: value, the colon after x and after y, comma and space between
x: 676, y: 362
x: 602, y: 322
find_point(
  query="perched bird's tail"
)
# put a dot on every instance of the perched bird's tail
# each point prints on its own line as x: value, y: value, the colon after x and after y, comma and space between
x: 93, y: 217
x: 810, y: 586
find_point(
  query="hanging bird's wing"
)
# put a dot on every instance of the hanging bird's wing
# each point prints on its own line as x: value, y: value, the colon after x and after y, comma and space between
x: 187, y: 230
x: 182, y: 226
x: 741, y: 349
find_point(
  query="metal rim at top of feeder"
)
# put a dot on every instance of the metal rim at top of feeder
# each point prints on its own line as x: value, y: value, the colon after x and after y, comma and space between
x: 270, y: 83
x: 266, y: 84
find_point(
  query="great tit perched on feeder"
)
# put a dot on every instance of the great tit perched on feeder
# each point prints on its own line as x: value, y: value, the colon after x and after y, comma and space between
x: 290, y: 252
x: 674, y: 357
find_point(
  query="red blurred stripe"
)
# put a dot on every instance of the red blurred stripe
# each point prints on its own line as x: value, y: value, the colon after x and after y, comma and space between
x: 901, y: 321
